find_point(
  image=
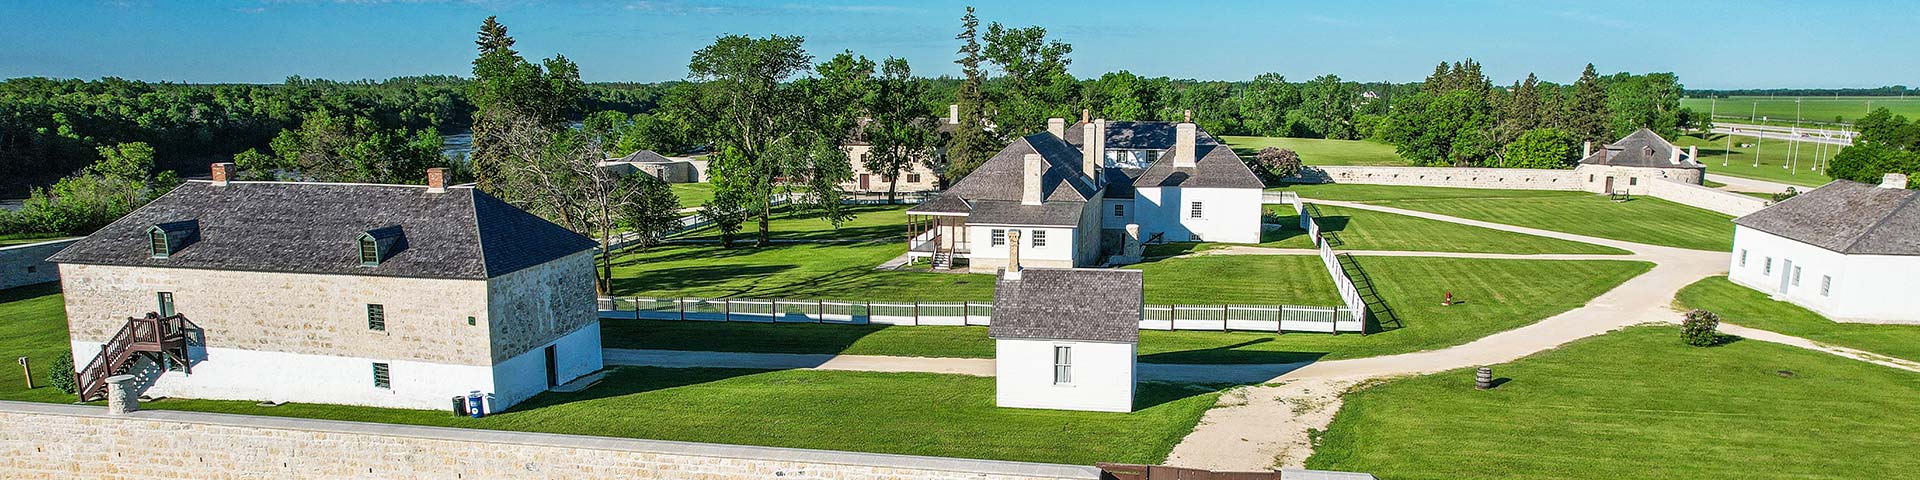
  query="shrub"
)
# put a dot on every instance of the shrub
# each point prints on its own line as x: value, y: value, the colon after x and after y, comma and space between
x: 1275, y: 163
x: 1701, y: 328
x: 1783, y: 196
x: 61, y: 373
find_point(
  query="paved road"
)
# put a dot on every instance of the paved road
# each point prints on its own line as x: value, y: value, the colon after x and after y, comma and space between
x: 1783, y: 136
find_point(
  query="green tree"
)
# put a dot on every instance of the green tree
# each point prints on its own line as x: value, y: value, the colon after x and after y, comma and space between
x: 971, y: 144
x: 1119, y: 95
x: 1448, y: 122
x: 1035, y: 85
x: 899, y: 134
x: 1586, y: 113
x: 508, y: 90
x: 1328, y: 105
x: 1651, y: 101
x: 1539, y: 148
x: 1264, y: 104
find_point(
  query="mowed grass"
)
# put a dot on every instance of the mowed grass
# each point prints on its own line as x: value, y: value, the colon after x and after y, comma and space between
x: 1774, y: 157
x: 1319, y: 151
x: 1637, y: 404
x: 1356, y: 229
x: 1642, y: 220
x: 867, y: 222
x: 692, y: 195
x: 1493, y: 296
x: 13, y: 239
x: 1814, y: 108
x: 1750, y: 308
x: 33, y: 324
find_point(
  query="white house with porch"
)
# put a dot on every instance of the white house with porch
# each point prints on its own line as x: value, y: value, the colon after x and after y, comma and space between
x: 1848, y: 250
x: 1082, y: 194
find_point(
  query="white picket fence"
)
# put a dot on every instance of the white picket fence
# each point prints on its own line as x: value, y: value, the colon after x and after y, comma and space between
x: 1258, y: 318
x: 1356, y: 307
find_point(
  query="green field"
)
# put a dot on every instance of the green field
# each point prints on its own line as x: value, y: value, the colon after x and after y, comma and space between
x: 1493, y: 296
x: 869, y: 222
x: 1643, y: 220
x: 1782, y: 108
x: 12, y: 239
x: 1775, y: 155
x: 1356, y: 229
x: 1319, y: 151
x: 692, y: 195
x: 1750, y: 308
x: 1637, y: 404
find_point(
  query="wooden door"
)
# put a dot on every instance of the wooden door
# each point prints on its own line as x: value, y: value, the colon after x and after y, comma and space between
x: 863, y: 182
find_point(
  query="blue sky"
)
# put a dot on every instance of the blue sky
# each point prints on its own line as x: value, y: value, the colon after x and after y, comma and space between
x: 1759, y: 43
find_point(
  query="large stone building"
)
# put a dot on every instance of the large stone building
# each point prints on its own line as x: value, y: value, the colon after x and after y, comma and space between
x: 1082, y: 193
x: 1058, y: 346
x: 381, y: 295
x: 1848, y: 250
x: 918, y: 177
x: 666, y: 169
x: 1627, y: 165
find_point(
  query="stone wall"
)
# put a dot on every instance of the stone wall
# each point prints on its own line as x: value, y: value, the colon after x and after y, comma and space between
x: 1702, y: 197
x: 535, y: 306
x: 1496, y: 178
x: 73, y: 441
x: 1633, y: 180
x: 27, y: 264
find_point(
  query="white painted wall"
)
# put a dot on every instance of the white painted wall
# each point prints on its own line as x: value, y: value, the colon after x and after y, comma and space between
x: 1865, y: 288
x: 256, y: 375
x: 1111, y: 221
x: 1227, y: 214
x: 985, y: 257
x: 1103, y: 375
x: 521, y: 377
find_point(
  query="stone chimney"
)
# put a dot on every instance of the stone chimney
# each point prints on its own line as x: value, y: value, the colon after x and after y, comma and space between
x: 436, y: 180
x: 1090, y: 159
x: 223, y: 172
x: 1586, y: 149
x: 1893, y: 180
x: 1030, y: 185
x: 1013, y: 254
x: 1058, y: 127
x: 1184, y: 138
x: 1086, y: 115
x: 953, y: 113
x: 1673, y: 155
x: 1693, y: 153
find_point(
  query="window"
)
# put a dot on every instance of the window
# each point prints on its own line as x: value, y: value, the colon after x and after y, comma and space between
x: 1633, y: 180
x: 470, y: 321
x: 1826, y: 285
x: 1590, y: 178
x: 1062, y: 365
x: 369, y: 251
x: 1743, y: 257
x: 999, y: 237
x: 1039, y: 238
x: 1796, y: 275
x: 1767, y: 270
x: 166, y: 304
x: 376, y: 317
x: 157, y: 240
x: 913, y: 178
x: 1193, y: 211
x: 380, y: 376
x: 33, y: 268
x: 1119, y: 209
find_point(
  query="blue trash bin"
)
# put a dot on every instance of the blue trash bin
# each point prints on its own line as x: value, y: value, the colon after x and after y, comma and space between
x: 476, y: 404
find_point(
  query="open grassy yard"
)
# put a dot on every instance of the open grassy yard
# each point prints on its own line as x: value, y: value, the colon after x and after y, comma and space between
x: 33, y: 324
x: 1495, y: 295
x: 1637, y: 404
x: 869, y: 222
x: 1750, y: 308
x: 1356, y: 229
x: 692, y: 194
x: 1319, y: 151
x: 1782, y: 108
x: 1775, y: 155
x: 13, y: 239
x: 1644, y: 219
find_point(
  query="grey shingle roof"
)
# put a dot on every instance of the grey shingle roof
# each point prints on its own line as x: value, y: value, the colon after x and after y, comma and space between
x: 1069, y: 304
x: 1002, y: 212
x: 1846, y: 217
x: 942, y: 202
x: 1642, y: 148
x: 1216, y: 167
x: 314, y: 228
x: 1002, y: 179
x: 1138, y: 135
x: 645, y: 156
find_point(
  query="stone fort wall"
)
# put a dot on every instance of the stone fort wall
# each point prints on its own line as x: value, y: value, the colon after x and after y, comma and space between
x: 1456, y: 177
x: 22, y: 265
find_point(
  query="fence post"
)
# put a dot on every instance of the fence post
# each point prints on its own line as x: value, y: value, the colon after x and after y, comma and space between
x: 820, y: 311
x: 916, y: 313
x: 1226, y: 311
x: 869, y: 304
x: 682, y: 303
x: 776, y: 310
x: 726, y: 309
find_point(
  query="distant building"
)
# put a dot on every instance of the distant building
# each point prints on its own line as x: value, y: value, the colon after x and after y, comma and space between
x: 917, y: 177
x: 1625, y: 166
x: 1848, y: 250
x: 1066, y: 338
x: 667, y: 169
x: 381, y: 295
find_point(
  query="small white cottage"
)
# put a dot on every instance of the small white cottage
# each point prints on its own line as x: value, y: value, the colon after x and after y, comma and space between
x: 1848, y: 250
x: 1065, y: 338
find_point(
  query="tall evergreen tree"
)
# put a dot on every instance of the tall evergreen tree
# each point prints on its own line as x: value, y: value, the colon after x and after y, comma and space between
x: 1586, y: 114
x: 509, y: 92
x: 971, y: 144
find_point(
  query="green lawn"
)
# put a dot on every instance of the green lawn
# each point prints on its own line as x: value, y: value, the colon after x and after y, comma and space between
x: 1356, y: 229
x: 1782, y: 108
x: 1750, y: 308
x: 1495, y: 295
x: 1318, y: 151
x: 869, y: 222
x: 12, y: 239
x: 1774, y: 157
x: 1637, y: 404
x: 904, y: 413
x: 692, y: 195
x: 1643, y: 220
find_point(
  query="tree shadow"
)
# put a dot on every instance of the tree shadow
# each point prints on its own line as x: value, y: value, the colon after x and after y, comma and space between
x: 28, y: 292
x: 690, y: 278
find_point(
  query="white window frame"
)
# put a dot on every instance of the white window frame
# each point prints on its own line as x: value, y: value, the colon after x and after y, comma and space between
x: 1039, y: 238
x: 998, y: 237
x: 1063, y: 365
x: 1767, y: 270
x: 1826, y: 285
x: 1796, y: 275
x: 1195, y: 210
x: 1743, y: 258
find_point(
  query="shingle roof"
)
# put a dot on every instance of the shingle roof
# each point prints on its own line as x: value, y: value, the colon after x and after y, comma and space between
x: 645, y: 156
x: 1216, y: 166
x: 1002, y: 212
x: 1003, y: 178
x: 314, y: 228
x: 1127, y: 135
x: 1069, y: 304
x: 1846, y: 217
x: 1642, y: 148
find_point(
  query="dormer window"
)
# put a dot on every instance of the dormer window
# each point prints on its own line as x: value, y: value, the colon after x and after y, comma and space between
x: 164, y: 239
x: 379, y: 244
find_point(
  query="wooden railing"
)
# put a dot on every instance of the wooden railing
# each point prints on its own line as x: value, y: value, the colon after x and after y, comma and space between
x: 158, y: 338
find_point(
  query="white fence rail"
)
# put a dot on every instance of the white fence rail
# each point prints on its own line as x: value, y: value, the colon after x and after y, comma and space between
x: 1255, y: 318
x: 1355, y: 312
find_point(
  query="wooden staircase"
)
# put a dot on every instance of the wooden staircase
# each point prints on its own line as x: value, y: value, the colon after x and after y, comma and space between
x: 943, y: 260
x: 155, y: 338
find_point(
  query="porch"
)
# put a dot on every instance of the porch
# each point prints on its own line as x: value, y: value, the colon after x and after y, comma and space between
x: 938, y: 238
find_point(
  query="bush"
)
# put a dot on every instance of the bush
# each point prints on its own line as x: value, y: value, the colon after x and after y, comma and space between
x: 1790, y: 193
x: 1701, y: 328
x: 1274, y: 163
x: 61, y: 373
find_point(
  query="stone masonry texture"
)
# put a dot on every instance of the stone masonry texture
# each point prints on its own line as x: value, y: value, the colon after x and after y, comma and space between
x: 27, y: 264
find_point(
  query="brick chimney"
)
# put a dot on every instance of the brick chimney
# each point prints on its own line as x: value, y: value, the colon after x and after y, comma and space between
x: 1030, y: 185
x: 1184, y: 137
x: 953, y: 113
x: 223, y: 172
x: 1013, y: 254
x: 1893, y: 180
x: 436, y: 180
x: 1058, y: 127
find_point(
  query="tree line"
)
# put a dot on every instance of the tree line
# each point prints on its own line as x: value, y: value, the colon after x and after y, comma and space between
x: 1887, y: 143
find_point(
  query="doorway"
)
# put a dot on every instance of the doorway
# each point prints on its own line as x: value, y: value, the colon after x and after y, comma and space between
x: 1610, y: 184
x: 1786, y: 275
x: 553, y: 368
x: 863, y: 182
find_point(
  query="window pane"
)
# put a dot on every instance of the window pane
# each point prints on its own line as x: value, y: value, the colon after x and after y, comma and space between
x: 166, y: 304
x: 381, y: 377
x: 376, y: 317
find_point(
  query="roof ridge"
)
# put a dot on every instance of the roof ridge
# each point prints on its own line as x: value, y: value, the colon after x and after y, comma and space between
x: 1878, y: 222
x: 479, y: 239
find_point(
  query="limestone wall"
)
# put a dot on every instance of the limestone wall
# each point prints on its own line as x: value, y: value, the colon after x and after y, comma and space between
x: 535, y: 306
x: 71, y: 441
x: 1702, y: 197
x: 27, y: 264
x: 1496, y: 178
